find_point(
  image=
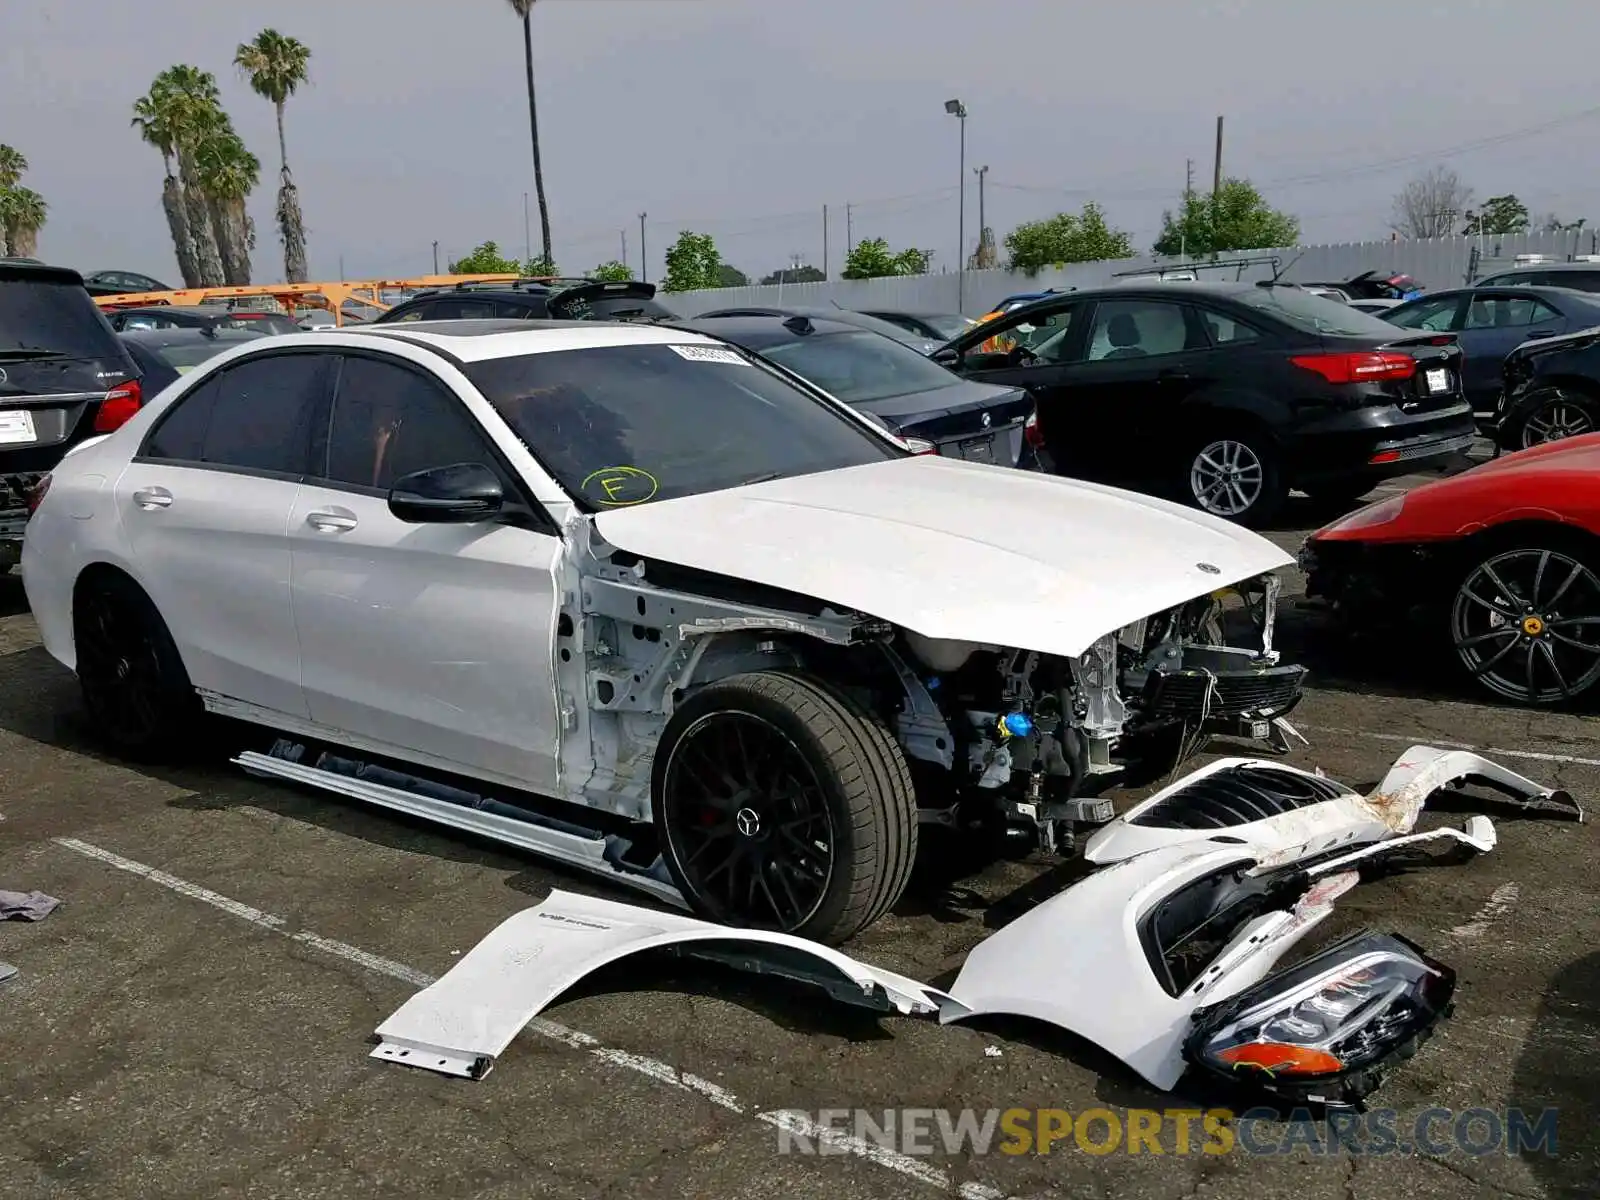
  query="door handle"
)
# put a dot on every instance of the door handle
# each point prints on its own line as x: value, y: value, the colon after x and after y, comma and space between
x: 330, y: 522
x: 153, y: 498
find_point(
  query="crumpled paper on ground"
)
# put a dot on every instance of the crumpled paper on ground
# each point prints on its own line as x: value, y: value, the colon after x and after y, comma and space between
x: 26, y: 906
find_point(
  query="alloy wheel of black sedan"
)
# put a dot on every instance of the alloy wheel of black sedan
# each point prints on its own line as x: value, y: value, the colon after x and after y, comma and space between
x: 753, y: 833
x: 1525, y: 623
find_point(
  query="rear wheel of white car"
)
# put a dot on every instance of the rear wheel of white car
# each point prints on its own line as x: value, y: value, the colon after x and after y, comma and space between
x: 784, y: 805
x: 1525, y: 618
x: 134, y: 683
x: 1235, y: 475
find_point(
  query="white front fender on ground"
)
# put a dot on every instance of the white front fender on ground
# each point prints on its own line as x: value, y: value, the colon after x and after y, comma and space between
x: 460, y: 1023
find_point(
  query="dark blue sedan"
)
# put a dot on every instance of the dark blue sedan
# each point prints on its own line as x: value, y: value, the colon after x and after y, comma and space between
x: 1491, y: 322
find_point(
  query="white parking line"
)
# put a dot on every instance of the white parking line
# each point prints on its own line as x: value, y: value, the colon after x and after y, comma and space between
x: 1498, y: 751
x: 662, y: 1072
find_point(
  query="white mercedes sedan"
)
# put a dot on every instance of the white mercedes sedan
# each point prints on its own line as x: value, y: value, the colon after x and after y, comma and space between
x: 624, y: 596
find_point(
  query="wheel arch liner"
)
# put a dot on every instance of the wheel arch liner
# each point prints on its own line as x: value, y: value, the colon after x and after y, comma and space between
x: 461, y: 1022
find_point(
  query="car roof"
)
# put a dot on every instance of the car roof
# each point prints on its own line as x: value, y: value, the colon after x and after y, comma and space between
x: 532, y: 292
x: 766, y: 329
x: 1521, y: 268
x: 1521, y: 289
x: 181, y: 336
x: 476, y: 341
x: 15, y: 270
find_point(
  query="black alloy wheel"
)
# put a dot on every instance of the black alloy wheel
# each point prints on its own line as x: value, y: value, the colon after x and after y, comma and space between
x: 754, y: 838
x: 1558, y: 416
x: 132, y: 678
x: 1525, y: 623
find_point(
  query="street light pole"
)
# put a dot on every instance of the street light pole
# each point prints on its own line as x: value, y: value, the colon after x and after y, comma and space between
x: 959, y: 110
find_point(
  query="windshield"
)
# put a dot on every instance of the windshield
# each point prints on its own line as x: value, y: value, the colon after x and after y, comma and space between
x: 623, y: 425
x: 53, y: 318
x: 857, y: 367
x: 1314, y: 314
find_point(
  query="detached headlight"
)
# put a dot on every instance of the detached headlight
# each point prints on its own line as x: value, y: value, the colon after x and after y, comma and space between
x: 1325, y: 1030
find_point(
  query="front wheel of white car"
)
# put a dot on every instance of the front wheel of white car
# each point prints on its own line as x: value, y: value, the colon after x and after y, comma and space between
x: 781, y: 804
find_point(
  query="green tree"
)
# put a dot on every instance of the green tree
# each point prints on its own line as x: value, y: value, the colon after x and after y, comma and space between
x: 193, y: 110
x: 692, y: 263
x: 1238, y: 220
x: 276, y: 66
x: 730, y: 276
x: 22, y: 210
x: 153, y: 118
x: 807, y: 274
x: 611, y: 272
x: 872, y: 259
x: 1065, y: 238
x: 524, y: 11
x: 486, y: 259
x: 1499, y: 214
x: 539, y: 268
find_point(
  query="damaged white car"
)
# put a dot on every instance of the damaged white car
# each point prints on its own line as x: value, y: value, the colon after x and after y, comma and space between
x: 625, y: 596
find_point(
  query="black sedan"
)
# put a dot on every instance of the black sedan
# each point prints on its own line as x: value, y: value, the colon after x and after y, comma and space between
x: 890, y: 382
x: 1226, y: 394
x: 165, y: 354
x: 1491, y: 322
x: 1552, y: 391
x: 888, y: 329
x: 199, y: 316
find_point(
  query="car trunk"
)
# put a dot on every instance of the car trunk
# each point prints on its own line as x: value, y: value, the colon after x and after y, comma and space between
x: 974, y: 421
x: 630, y: 301
x: 1436, y: 383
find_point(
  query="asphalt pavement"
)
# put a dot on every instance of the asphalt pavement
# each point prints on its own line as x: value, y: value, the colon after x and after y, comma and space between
x: 195, y: 1019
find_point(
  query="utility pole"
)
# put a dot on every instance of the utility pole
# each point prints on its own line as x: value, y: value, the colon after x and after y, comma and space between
x: 1188, y: 191
x: 849, y: 236
x: 1216, y: 189
x: 624, y: 258
x: 436, y: 258
x: 980, y: 172
x: 824, y: 243
x: 959, y: 110
x: 341, y: 268
x: 644, y: 263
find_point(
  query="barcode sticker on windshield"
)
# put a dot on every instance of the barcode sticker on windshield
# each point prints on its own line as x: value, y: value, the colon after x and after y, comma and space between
x: 714, y: 354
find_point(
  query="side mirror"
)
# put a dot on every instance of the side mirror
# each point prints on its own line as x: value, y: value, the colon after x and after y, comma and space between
x: 461, y: 494
x: 946, y: 356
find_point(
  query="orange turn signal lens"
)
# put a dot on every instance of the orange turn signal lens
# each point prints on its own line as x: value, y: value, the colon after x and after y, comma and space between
x: 1277, y: 1058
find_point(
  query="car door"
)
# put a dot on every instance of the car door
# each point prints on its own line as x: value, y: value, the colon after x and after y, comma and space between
x: 1031, y: 351
x: 432, y: 640
x: 204, y: 507
x: 1141, y: 359
x: 1492, y: 325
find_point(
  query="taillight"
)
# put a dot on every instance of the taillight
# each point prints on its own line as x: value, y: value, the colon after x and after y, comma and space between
x: 1031, y: 432
x: 119, y: 406
x: 1360, y: 367
x: 919, y: 445
x: 36, y: 494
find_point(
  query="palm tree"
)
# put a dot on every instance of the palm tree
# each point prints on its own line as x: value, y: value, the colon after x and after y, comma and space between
x: 152, y: 117
x: 524, y: 11
x: 12, y: 165
x: 22, y: 212
x: 276, y: 66
x: 195, y: 113
x: 229, y: 173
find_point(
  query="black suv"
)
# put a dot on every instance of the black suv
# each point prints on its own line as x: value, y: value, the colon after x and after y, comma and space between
x: 533, y: 300
x: 64, y: 377
x: 1226, y: 394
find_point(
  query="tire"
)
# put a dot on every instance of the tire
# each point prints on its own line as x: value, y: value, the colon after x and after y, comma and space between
x: 825, y: 769
x: 1528, y: 646
x: 133, y: 680
x: 1254, y: 492
x: 1559, y: 413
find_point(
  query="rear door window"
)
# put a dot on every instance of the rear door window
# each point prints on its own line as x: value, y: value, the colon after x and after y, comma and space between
x: 257, y: 416
x: 56, y: 319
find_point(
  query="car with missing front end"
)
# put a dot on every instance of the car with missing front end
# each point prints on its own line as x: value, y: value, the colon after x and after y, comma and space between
x: 626, y: 596
x: 1227, y: 395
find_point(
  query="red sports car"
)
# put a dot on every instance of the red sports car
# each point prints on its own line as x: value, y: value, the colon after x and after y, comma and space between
x: 1500, y: 563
